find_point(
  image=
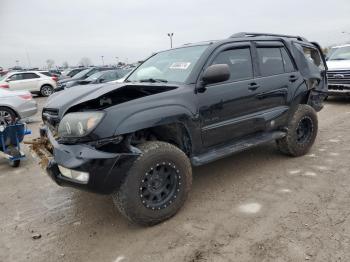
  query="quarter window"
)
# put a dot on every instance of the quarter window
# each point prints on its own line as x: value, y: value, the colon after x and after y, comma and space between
x: 312, y: 56
x: 270, y: 60
x: 239, y: 62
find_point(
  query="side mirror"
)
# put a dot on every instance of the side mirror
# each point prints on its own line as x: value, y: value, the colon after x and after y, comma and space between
x: 216, y: 73
x: 101, y: 80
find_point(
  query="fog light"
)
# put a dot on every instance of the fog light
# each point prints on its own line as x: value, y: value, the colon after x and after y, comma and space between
x: 79, y: 176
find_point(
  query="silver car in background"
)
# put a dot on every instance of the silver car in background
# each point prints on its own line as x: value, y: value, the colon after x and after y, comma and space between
x: 15, y: 105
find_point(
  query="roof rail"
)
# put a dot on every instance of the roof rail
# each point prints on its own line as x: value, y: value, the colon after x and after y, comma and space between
x: 201, y: 42
x: 247, y: 34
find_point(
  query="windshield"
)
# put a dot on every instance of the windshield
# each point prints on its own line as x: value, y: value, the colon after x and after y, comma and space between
x: 80, y: 74
x: 169, y: 66
x: 341, y: 53
x: 94, y: 76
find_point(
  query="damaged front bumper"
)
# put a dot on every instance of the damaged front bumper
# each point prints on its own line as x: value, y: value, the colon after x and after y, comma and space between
x: 82, y: 165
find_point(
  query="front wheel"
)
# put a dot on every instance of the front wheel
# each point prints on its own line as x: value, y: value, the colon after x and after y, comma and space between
x: 302, y: 132
x: 7, y: 116
x: 156, y: 186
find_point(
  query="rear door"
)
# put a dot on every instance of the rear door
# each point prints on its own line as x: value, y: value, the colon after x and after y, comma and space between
x: 31, y: 81
x: 277, y: 77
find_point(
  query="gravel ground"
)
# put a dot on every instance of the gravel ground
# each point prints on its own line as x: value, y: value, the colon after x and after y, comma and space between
x: 254, y: 206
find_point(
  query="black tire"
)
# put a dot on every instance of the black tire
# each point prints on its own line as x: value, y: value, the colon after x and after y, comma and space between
x: 7, y: 116
x: 161, y: 166
x: 302, y: 132
x: 15, y: 163
x: 46, y: 90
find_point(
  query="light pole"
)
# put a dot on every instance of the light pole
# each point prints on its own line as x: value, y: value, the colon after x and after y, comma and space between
x: 103, y: 62
x: 171, y: 39
x: 116, y: 58
x: 17, y: 63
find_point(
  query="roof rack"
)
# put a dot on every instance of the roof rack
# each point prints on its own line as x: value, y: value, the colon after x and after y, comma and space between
x: 201, y: 42
x: 249, y: 34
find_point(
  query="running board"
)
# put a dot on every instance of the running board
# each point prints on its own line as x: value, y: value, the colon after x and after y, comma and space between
x: 235, y: 147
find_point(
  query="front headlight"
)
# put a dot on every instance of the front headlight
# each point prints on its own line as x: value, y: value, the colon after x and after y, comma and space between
x: 80, y: 124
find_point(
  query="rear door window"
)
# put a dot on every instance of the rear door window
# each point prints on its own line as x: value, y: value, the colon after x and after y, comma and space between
x: 30, y: 76
x: 287, y: 61
x: 270, y: 61
x: 239, y: 61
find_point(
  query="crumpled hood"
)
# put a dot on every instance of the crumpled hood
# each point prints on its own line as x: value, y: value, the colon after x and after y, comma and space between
x: 338, y: 65
x: 71, y: 96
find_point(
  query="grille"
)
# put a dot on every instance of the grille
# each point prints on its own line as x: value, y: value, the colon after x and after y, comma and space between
x: 339, y: 77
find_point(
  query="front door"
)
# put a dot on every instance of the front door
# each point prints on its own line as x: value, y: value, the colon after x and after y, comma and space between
x: 226, y: 108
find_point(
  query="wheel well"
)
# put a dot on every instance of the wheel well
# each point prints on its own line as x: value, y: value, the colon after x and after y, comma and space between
x: 12, y: 110
x: 46, y: 85
x: 305, y: 98
x: 176, y: 134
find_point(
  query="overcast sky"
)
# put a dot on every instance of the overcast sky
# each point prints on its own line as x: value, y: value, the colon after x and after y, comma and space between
x: 67, y: 30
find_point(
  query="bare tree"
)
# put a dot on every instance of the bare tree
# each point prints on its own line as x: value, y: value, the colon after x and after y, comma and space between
x: 50, y: 63
x: 85, y: 61
x: 65, y: 64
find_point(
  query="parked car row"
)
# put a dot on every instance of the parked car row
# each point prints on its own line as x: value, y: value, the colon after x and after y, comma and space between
x: 45, y: 83
x: 94, y: 75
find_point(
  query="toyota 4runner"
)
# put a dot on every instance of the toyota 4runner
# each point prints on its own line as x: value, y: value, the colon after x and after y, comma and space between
x: 188, y: 106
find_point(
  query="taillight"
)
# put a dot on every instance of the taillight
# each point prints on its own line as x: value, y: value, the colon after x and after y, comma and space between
x: 26, y: 96
x: 55, y: 78
x: 4, y: 86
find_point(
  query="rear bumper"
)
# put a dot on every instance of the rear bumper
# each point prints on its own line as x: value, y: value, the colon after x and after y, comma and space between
x: 106, y: 170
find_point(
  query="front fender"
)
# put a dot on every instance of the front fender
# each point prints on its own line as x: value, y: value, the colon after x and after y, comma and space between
x: 152, y: 117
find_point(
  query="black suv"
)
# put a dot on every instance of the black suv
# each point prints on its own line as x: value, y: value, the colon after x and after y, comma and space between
x: 184, y: 107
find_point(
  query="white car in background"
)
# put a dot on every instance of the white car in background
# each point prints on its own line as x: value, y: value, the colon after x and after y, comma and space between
x: 338, y: 62
x: 15, y: 105
x: 32, y: 81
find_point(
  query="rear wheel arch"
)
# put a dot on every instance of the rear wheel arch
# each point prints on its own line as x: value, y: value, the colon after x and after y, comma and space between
x: 45, y: 85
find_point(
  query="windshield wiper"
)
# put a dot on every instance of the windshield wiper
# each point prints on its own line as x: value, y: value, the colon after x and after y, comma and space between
x: 154, y: 80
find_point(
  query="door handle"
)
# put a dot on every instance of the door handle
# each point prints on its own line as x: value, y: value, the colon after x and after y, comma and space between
x: 253, y: 86
x: 293, y: 78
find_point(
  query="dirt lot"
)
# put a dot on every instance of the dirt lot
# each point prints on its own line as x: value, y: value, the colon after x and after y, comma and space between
x: 255, y: 206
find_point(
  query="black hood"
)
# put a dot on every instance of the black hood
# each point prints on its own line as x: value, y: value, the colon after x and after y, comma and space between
x: 120, y: 93
x: 71, y: 96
